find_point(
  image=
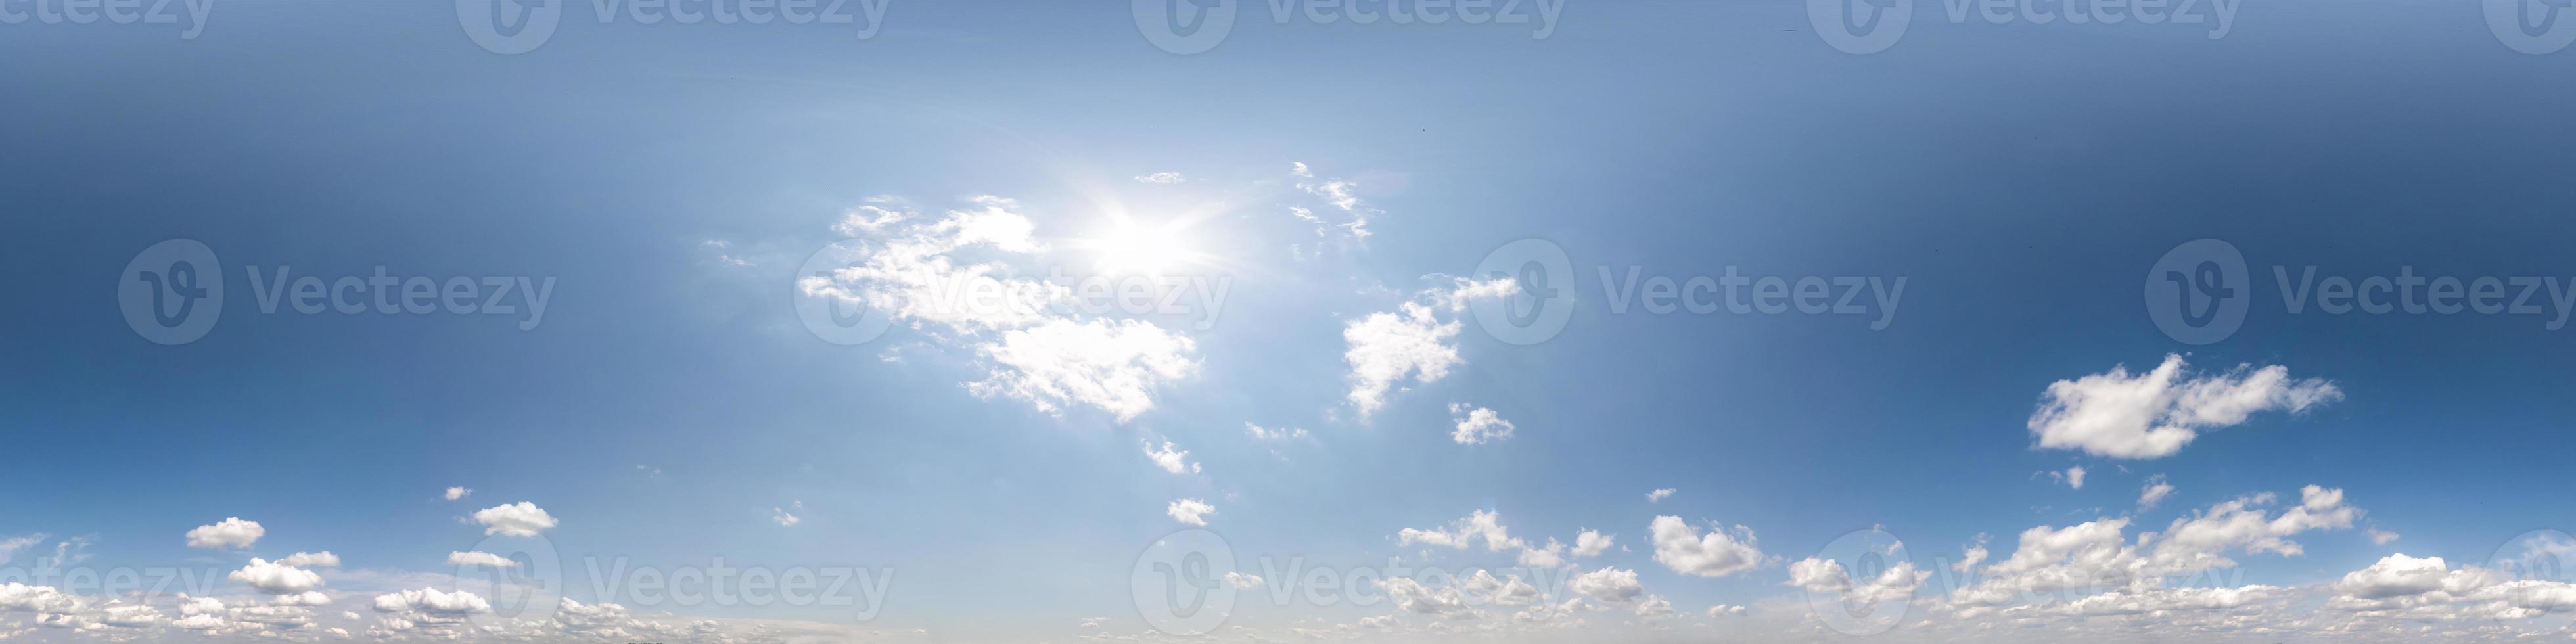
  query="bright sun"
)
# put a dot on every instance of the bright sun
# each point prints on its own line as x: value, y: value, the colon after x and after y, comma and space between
x: 1139, y: 249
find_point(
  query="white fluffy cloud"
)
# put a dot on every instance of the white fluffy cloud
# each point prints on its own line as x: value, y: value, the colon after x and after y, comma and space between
x: 1480, y: 524
x: 1161, y: 177
x: 954, y: 277
x: 1411, y: 596
x: 1414, y: 341
x: 232, y: 532
x: 1477, y: 425
x: 458, y: 493
x: 2153, y: 414
x: 433, y: 602
x: 15, y: 596
x: 1110, y: 364
x: 1190, y: 511
x: 1826, y: 576
x: 484, y: 559
x: 1591, y: 542
x: 1170, y: 458
x: 2097, y: 555
x: 1658, y: 495
x: 276, y: 578
x: 1611, y: 585
x: 2427, y: 589
x: 2155, y: 492
x: 1385, y: 348
x: 322, y: 559
x: 1719, y: 553
x: 522, y: 519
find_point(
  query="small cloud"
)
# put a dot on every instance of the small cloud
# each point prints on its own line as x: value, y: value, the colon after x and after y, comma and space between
x: 1659, y: 495
x: 484, y: 559
x: 1161, y: 177
x: 1191, y: 511
x: 2156, y: 491
x: 1477, y: 425
x: 232, y: 532
x: 522, y: 519
x: 456, y: 493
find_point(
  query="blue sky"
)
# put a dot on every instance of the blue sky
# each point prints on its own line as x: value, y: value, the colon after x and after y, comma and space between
x: 671, y: 407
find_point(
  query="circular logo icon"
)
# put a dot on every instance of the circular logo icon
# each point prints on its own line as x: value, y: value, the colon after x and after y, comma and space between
x: 2542, y: 556
x: 2199, y: 291
x: 523, y: 575
x: 2532, y: 26
x: 1860, y: 26
x: 172, y: 292
x: 1184, y: 583
x: 828, y: 308
x: 509, y: 26
x: 1184, y: 26
x: 1546, y: 297
x: 1857, y: 604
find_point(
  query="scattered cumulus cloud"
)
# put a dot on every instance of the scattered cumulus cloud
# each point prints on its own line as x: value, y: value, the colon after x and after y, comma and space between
x: 1477, y: 425
x: 232, y: 532
x: 1170, y: 458
x: 1190, y: 511
x: 1719, y: 553
x: 522, y: 519
x: 2155, y: 492
x: 1413, y: 342
x: 484, y: 559
x: 276, y: 578
x: 2154, y: 414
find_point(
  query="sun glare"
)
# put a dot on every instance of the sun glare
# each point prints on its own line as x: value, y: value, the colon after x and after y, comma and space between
x: 1140, y: 249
